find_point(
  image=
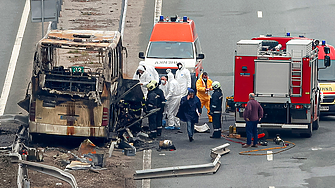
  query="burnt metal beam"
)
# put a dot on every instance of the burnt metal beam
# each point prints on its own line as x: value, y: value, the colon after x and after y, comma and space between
x: 49, y: 170
x: 179, y: 170
x: 220, y: 150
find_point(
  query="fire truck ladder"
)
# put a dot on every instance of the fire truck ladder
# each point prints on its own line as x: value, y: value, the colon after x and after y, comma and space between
x: 296, y: 77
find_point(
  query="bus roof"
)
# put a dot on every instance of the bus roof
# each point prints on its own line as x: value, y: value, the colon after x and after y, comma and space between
x: 89, y: 39
x: 174, y: 31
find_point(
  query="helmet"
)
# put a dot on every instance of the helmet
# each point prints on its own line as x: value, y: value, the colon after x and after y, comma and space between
x: 216, y: 85
x: 154, y: 82
x: 151, y: 86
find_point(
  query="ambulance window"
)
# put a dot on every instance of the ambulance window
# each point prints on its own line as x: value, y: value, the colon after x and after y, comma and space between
x: 197, y: 47
x: 171, y: 50
x: 328, y: 73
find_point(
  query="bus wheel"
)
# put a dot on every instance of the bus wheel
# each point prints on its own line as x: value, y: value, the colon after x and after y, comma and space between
x: 316, y: 124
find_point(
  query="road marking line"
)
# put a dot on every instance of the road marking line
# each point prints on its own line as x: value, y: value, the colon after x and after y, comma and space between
x: 146, y: 165
x: 14, y: 57
x: 259, y: 14
x: 269, y: 155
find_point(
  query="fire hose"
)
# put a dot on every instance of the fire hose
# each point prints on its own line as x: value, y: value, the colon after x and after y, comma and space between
x: 283, y: 148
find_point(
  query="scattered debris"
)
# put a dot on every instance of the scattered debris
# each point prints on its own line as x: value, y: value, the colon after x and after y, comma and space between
x: 298, y: 157
x: 166, y: 144
x: 78, y: 165
x: 33, y: 154
x: 142, y: 134
x: 278, y: 140
x: 95, y: 159
x: 111, y: 148
x: 234, y: 135
x: 130, y: 151
x: 202, y: 128
x: 220, y: 150
x: 86, y: 147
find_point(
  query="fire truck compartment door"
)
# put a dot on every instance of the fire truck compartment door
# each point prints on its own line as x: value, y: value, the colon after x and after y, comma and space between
x: 272, y: 81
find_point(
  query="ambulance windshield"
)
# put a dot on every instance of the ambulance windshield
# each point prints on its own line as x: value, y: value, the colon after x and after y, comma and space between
x: 171, y: 50
x: 327, y: 74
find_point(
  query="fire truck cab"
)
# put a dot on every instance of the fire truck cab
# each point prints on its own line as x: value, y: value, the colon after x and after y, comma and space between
x: 172, y: 41
x: 283, y: 74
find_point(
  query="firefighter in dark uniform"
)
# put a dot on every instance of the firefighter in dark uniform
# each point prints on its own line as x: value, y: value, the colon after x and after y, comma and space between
x: 216, y: 109
x: 160, y: 104
x: 151, y: 103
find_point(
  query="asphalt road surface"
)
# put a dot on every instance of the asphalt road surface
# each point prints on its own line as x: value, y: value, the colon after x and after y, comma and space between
x: 11, y: 12
x: 220, y: 24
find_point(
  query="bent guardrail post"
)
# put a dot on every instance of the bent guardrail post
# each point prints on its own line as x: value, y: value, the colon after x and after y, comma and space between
x: 49, y: 170
x: 186, y: 170
x: 220, y: 150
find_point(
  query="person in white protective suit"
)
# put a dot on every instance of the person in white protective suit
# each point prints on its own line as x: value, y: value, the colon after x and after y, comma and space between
x: 183, y: 76
x: 172, y: 103
x: 144, y: 79
x: 164, y: 86
x: 150, y: 70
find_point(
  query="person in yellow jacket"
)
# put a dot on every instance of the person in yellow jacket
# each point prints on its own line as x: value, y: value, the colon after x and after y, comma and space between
x: 204, y: 85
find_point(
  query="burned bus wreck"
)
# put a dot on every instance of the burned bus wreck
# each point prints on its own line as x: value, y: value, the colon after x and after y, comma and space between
x: 77, y: 87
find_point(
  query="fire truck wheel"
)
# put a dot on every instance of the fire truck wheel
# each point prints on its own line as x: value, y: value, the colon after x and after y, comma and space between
x: 316, y: 124
x: 308, y: 133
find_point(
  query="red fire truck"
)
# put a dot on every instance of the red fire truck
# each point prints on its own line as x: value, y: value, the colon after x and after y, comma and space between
x: 283, y: 74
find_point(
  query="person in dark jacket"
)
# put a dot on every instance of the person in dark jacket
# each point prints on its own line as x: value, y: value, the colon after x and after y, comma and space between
x: 151, y: 103
x: 216, y: 109
x: 252, y: 114
x: 160, y: 104
x: 189, y: 111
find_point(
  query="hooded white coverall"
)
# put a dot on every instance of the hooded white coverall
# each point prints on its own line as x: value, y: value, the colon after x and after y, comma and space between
x: 173, y: 101
x: 165, y: 89
x: 144, y: 79
x: 183, y: 76
x: 150, y: 70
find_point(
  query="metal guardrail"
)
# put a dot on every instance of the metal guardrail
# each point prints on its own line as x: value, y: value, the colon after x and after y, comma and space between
x: 186, y: 170
x: 179, y: 170
x: 49, y: 170
x: 18, y: 145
